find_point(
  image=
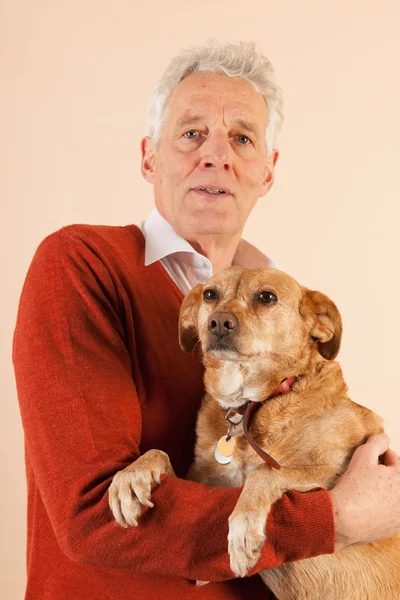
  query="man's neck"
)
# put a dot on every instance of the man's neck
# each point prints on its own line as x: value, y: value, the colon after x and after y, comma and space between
x: 219, y: 250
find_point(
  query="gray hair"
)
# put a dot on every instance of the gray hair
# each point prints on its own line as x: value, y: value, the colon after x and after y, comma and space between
x: 240, y: 60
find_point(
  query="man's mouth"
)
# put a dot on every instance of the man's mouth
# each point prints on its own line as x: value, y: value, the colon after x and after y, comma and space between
x: 212, y: 191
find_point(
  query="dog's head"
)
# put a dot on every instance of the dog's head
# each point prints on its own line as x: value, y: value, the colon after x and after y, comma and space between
x: 242, y: 314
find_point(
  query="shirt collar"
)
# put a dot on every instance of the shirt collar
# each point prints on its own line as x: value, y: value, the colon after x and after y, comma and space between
x: 162, y: 240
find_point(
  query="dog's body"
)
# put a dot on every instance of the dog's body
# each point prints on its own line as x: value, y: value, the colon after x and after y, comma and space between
x: 312, y: 432
x: 256, y: 329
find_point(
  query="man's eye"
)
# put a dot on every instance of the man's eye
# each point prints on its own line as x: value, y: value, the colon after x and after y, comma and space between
x: 244, y: 140
x: 267, y: 298
x: 191, y: 134
x: 210, y: 295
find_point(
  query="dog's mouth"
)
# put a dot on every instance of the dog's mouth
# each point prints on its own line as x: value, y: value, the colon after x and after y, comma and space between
x: 225, y: 349
x: 218, y: 346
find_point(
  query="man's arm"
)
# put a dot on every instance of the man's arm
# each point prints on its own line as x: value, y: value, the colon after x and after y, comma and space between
x: 82, y: 420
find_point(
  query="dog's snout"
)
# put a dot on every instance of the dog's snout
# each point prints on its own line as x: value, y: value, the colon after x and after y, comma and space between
x: 222, y: 323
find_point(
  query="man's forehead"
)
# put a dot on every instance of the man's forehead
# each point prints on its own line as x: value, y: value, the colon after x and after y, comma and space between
x: 201, y: 93
x: 209, y: 80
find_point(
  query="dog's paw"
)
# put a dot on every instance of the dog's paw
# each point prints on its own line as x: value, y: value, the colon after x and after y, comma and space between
x: 129, y: 492
x: 245, y: 540
x: 130, y: 489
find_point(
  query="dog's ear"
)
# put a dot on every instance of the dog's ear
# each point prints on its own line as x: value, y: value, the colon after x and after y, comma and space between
x: 324, y: 320
x: 188, y: 335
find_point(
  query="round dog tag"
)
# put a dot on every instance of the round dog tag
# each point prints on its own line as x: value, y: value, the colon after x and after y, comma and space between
x: 224, y: 450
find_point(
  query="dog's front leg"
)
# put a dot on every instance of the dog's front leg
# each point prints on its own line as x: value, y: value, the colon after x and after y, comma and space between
x: 247, y: 523
x: 130, y: 489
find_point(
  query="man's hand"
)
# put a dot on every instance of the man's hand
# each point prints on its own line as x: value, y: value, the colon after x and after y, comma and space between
x: 366, y: 498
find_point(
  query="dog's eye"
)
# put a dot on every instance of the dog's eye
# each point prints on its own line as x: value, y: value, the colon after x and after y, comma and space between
x: 210, y: 295
x: 267, y: 298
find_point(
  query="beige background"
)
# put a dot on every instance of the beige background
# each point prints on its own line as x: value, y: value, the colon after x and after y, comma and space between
x: 75, y: 79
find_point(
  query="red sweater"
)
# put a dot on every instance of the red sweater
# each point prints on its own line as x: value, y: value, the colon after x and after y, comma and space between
x: 101, y: 379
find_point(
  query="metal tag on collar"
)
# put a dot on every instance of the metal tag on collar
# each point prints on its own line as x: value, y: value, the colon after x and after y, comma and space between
x: 226, y: 445
x: 224, y: 449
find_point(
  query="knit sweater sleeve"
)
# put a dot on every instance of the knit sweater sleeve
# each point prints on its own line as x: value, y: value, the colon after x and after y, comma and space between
x: 79, y: 405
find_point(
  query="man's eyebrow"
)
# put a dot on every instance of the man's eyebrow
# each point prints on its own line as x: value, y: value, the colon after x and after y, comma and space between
x: 248, y: 126
x: 188, y: 119
x: 241, y: 123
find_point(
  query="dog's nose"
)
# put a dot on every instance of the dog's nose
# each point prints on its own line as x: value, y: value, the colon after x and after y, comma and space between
x: 222, y: 323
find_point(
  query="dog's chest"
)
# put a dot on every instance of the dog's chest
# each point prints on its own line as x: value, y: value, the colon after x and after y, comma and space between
x: 243, y: 460
x: 268, y: 429
x: 235, y: 472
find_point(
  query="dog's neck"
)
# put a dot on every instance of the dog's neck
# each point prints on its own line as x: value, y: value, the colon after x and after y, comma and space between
x: 233, y: 383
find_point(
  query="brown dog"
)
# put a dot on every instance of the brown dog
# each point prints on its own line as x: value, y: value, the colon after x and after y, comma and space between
x: 259, y: 328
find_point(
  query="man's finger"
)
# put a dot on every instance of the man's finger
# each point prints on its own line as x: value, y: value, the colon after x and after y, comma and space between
x: 376, y: 445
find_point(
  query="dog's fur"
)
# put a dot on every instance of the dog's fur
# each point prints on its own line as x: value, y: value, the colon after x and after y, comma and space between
x: 312, y: 431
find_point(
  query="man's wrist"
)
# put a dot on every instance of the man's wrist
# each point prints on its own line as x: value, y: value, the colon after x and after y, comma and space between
x: 341, y: 520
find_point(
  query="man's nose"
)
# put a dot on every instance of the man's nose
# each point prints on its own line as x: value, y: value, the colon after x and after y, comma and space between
x: 216, y: 152
x: 222, y: 323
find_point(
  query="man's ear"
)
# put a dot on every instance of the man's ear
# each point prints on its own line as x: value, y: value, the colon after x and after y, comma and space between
x: 148, y: 158
x: 188, y: 335
x: 269, y: 172
x: 324, y: 321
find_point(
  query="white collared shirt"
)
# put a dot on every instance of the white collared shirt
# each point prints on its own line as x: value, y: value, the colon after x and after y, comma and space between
x: 186, y: 266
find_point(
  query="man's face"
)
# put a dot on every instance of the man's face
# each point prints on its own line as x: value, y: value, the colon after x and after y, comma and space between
x: 214, y: 138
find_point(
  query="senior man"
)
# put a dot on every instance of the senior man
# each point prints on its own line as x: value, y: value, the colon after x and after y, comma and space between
x: 101, y: 378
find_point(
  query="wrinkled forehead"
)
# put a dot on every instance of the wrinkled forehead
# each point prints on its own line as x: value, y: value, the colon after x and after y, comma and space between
x: 205, y: 95
x: 238, y: 283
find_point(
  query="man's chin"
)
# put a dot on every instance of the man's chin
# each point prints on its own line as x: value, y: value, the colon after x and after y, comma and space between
x: 211, y: 221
